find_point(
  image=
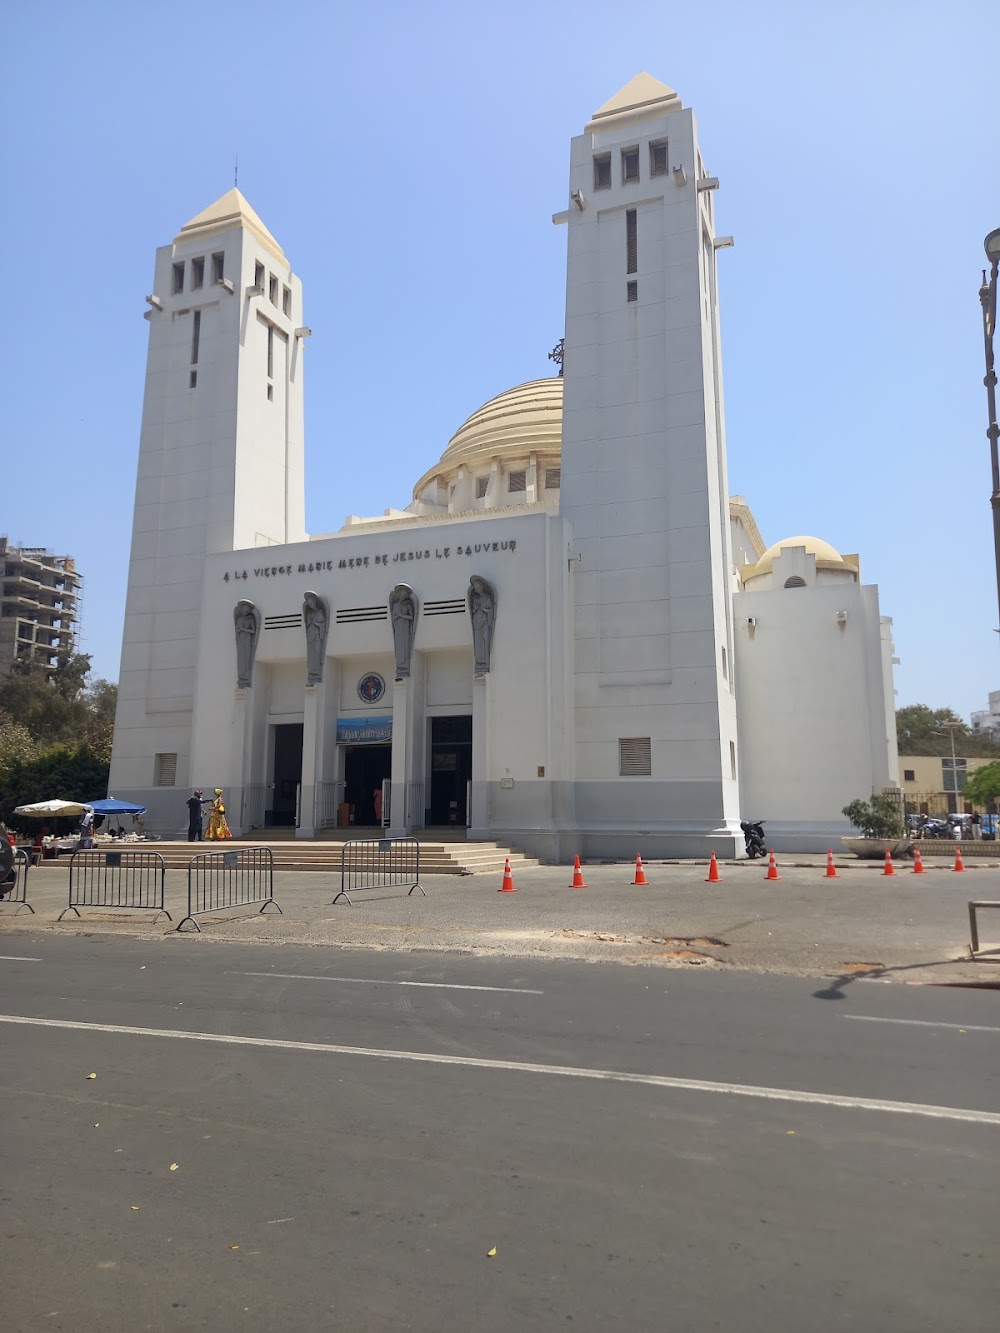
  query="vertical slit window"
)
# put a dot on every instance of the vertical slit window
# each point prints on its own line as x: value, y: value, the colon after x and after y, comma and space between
x: 218, y: 266
x: 631, y: 241
x: 178, y: 283
x: 286, y: 302
x: 258, y: 277
x: 195, y: 336
x: 270, y: 352
x: 631, y: 291
x: 197, y: 273
x: 602, y: 172
x: 272, y: 293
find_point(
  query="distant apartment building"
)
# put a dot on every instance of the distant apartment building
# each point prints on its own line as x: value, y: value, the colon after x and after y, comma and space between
x: 38, y: 605
x: 986, y: 722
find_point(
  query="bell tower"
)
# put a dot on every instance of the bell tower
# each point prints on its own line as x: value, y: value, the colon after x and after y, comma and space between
x: 644, y: 485
x: 221, y: 464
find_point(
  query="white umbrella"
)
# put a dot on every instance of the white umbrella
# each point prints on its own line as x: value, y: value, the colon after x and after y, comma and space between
x: 49, y: 809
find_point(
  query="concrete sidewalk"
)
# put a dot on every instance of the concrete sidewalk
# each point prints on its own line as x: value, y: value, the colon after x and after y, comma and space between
x: 906, y: 927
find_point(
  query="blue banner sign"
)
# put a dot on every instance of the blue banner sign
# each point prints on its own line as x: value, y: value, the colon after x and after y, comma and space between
x: 364, y: 730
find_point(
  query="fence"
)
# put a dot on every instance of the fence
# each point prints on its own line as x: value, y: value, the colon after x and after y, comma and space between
x: 19, y: 890
x: 974, y: 948
x: 116, y: 879
x: 328, y: 796
x: 256, y: 800
x: 237, y: 878
x: 379, y: 863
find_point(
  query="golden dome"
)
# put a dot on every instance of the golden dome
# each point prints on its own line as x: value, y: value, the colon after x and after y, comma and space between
x: 525, y: 420
x: 827, y: 557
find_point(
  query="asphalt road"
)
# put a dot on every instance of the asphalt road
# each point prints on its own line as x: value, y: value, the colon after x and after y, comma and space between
x: 354, y: 1132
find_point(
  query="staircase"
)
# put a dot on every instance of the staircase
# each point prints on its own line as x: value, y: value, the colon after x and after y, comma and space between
x: 443, y: 857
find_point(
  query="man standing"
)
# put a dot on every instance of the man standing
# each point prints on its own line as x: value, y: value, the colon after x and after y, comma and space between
x: 194, y: 804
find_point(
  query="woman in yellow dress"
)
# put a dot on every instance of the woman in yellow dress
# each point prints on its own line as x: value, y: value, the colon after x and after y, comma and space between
x: 218, y: 829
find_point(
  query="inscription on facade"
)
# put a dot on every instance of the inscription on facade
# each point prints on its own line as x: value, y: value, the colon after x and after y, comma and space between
x: 365, y: 561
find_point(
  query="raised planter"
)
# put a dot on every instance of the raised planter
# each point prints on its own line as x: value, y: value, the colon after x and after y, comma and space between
x: 876, y: 848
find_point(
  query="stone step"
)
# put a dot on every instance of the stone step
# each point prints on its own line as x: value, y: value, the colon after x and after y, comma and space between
x: 435, y: 858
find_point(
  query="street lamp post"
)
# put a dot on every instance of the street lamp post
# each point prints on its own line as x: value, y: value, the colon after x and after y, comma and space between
x: 988, y: 300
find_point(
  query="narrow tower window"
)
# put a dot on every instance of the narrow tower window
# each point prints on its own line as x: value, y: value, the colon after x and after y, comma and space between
x: 658, y: 158
x: 631, y: 241
x: 602, y: 172
x: 631, y: 291
x: 258, y: 277
x: 218, y: 266
x: 273, y: 289
x: 195, y: 336
x: 178, y: 283
x: 286, y: 301
x: 630, y: 164
x: 270, y: 352
x: 197, y: 273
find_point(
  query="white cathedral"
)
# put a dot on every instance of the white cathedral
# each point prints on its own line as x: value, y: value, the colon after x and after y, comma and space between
x: 572, y: 640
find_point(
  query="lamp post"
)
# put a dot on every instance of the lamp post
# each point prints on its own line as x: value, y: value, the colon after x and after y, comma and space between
x: 952, y: 727
x: 988, y: 300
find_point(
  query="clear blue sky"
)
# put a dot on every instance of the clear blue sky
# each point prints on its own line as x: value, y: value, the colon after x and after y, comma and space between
x: 408, y: 157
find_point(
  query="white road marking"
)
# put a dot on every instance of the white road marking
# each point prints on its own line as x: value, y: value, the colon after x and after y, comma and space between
x: 378, y: 981
x: 17, y: 958
x: 524, y: 1067
x: 918, y: 1023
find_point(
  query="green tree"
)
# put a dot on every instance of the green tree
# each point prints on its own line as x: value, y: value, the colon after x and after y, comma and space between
x: 983, y: 785
x: 917, y: 727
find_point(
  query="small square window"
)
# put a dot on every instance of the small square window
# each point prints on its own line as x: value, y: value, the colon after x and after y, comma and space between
x: 258, y: 277
x: 630, y: 164
x: 481, y: 484
x: 193, y: 380
x: 178, y: 283
x: 272, y: 289
x: 658, y: 158
x: 516, y: 481
x: 553, y: 476
x: 286, y: 302
x: 602, y: 172
x: 631, y: 291
x: 218, y: 266
x: 909, y: 775
x: 635, y: 759
x: 197, y: 273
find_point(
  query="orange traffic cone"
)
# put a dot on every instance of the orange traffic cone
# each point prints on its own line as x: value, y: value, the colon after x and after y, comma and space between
x: 772, y: 868
x: 713, y: 872
x: 889, y: 868
x: 831, y: 869
x: 918, y: 864
x: 577, y: 875
x: 508, y: 878
x: 640, y: 874
x: 959, y: 863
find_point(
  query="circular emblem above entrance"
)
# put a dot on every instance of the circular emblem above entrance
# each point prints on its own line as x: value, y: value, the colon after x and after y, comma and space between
x: 371, y: 688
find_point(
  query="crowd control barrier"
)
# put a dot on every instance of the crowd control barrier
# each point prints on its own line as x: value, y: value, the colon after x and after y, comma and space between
x: 379, y: 863
x: 240, y: 877
x: 105, y: 878
x: 19, y: 890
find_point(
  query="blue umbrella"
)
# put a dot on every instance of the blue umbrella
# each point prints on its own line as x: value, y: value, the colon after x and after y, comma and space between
x: 113, y: 807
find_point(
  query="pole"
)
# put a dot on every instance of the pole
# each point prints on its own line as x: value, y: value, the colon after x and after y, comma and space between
x: 988, y: 300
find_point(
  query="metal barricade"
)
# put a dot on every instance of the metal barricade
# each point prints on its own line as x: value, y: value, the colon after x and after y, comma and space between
x: 240, y: 877
x: 105, y: 878
x: 975, y: 906
x: 19, y: 890
x: 379, y: 863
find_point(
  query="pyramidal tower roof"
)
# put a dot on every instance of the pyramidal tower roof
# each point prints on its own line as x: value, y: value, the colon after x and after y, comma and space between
x: 230, y: 211
x: 641, y: 95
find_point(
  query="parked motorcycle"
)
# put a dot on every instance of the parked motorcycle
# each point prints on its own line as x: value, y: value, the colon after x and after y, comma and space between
x: 753, y: 836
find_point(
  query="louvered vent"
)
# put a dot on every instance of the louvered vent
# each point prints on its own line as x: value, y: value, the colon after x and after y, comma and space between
x: 635, y: 758
x: 453, y: 607
x: 292, y: 621
x: 353, y: 615
x: 166, y: 771
x: 516, y: 482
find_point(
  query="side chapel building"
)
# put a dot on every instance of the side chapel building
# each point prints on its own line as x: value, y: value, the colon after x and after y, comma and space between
x: 572, y: 640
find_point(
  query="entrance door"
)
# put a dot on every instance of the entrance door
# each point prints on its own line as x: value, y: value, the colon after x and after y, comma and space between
x: 365, y: 766
x: 451, y: 769
x: 287, y: 771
